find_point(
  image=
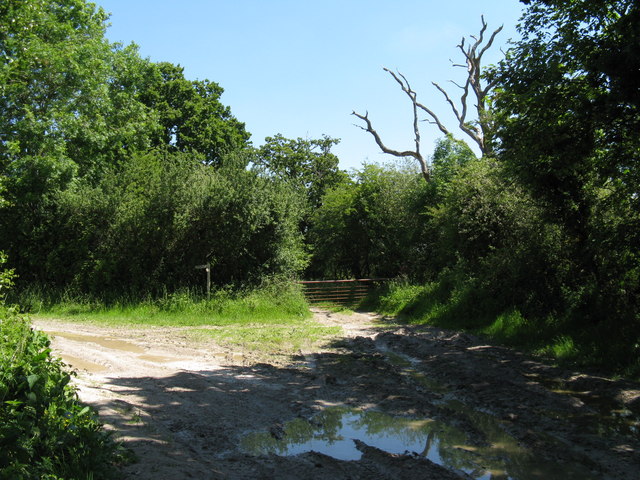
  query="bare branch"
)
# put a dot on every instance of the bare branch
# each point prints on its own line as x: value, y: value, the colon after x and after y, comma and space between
x: 490, y: 42
x: 449, y: 101
x: 376, y: 136
x: 478, y: 131
x: 404, y: 84
x: 426, y: 171
x: 475, y: 134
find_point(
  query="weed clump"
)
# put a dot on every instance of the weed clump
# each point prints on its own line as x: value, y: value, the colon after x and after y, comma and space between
x: 45, y: 432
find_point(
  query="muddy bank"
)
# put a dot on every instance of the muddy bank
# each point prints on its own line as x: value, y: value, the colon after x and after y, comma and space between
x: 380, y: 402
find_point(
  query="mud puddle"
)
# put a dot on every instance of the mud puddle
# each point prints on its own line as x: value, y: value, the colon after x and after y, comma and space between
x: 114, y: 344
x: 83, y: 364
x: 382, y: 403
x: 337, y: 433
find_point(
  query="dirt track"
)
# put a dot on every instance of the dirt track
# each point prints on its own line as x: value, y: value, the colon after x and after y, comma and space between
x: 379, y: 403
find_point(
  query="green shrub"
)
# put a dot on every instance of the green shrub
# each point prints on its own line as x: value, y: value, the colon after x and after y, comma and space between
x: 44, y: 431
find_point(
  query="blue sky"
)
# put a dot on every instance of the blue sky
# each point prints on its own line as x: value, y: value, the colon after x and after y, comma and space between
x: 300, y: 68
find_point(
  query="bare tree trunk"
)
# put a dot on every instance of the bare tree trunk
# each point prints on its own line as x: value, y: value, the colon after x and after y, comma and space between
x: 479, y: 131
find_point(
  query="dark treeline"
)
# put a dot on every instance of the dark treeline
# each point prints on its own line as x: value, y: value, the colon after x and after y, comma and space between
x: 119, y: 176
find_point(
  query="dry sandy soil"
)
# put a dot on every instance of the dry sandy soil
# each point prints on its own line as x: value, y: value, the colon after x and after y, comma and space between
x: 379, y: 402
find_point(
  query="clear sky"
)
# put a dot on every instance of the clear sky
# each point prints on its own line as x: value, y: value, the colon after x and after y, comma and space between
x: 300, y: 67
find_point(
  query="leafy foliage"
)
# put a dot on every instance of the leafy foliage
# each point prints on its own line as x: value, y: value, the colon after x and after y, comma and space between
x: 6, y: 277
x: 61, y: 81
x: 368, y: 227
x: 44, y: 431
x: 146, y: 225
x: 309, y: 165
x: 190, y: 114
x: 493, y: 234
x: 121, y: 174
x: 568, y: 110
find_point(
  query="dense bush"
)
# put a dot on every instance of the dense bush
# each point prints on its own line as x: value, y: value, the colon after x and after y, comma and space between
x: 370, y: 226
x: 146, y: 224
x: 44, y: 431
x: 492, y: 234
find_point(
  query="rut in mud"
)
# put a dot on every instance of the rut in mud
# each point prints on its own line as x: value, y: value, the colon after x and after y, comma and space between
x: 379, y: 402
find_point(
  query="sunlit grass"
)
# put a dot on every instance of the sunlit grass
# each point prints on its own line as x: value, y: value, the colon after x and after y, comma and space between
x: 281, y: 305
x: 562, y: 347
x: 460, y: 307
x: 283, y: 339
x: 336, y: 308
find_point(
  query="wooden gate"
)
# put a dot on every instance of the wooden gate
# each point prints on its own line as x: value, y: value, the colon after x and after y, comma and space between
x: 340, y: 292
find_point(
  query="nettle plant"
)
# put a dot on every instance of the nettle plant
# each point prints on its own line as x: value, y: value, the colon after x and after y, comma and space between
x: 45, y: 432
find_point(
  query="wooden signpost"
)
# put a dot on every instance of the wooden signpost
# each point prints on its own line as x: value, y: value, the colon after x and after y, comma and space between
x: 207, y: 267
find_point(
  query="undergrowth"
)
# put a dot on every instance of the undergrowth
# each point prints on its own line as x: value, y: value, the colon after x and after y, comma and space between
x: 45, y: 432
x: 565, y: 339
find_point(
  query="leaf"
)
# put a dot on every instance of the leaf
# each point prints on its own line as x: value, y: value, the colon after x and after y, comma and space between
x: 42, y: 355
x: 32, y: 379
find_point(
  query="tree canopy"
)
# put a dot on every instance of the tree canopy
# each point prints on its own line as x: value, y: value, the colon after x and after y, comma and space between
x: 306, y: 163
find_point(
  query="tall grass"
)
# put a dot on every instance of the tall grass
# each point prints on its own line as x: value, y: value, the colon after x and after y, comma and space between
x: 461, y: 306
x: 277, y: 302
x: 436, y: 303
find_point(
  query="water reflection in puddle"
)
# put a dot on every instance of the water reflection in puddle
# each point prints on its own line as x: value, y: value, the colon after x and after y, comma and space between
x: 333, y: 432
x: 157, y: 358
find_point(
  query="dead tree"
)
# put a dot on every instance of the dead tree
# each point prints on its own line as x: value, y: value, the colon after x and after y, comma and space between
x: 479, y: 130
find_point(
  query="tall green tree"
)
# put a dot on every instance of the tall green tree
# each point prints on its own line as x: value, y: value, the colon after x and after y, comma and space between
x: 568, y: 115
x: 65, y: 111
x: 62, y: 99
x: 190, y: 113
x: 308, y: 164
x: 569, y: 102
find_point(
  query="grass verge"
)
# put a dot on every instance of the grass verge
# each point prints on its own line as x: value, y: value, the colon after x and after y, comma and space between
x: 273, y: 320
x: 273, y: 304
x: 268, y: 339
x: 566, y: 340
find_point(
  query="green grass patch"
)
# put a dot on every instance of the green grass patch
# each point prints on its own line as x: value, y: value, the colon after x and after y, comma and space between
x: 567, y: 340
x: 433, y: 303
x: 273, y: 304
x: 336, y: 308
x: 281, y: 339
x: 562, y: 347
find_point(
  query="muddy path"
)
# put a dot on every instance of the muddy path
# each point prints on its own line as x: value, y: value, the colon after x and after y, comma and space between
x: 378, y: 402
